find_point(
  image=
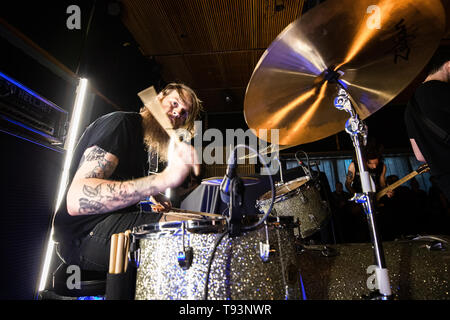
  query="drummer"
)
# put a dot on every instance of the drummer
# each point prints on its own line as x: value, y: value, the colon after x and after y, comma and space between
x: 109, y: 177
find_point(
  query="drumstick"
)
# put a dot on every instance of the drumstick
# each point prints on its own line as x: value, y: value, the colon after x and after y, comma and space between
x: 127, y: 247
x: 174, y: 214
x: 112, y: 254
x: 214, y: 215
x: 151, y: 102
x: 119, y: 256
x: 271, y: 148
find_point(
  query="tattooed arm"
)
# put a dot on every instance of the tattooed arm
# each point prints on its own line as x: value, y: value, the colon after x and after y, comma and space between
x: 91, y: 192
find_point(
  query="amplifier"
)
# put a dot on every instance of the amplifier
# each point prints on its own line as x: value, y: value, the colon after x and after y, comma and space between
x: 24, y: 112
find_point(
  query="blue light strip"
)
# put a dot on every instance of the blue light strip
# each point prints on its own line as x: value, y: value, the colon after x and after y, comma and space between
x: 34, y: 94
x: 303, y: 288
x: 91, y: 298
x: 27, y: 127
x: 32, y: 141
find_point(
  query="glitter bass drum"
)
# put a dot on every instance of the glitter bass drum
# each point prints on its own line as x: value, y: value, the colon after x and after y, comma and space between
x: 197, y: 259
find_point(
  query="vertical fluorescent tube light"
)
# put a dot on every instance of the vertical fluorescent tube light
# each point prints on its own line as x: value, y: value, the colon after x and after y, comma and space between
x: 69, y: 146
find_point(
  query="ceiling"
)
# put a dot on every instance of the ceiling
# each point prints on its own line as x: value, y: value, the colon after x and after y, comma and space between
x: 214, y: 46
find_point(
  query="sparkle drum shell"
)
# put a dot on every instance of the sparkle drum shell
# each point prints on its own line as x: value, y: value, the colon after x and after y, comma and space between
x: 300, y: 198
x: 237, y: 269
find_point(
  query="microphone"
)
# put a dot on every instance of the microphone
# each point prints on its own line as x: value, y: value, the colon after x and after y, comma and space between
x: 229, y: 175
x: 304, y: 167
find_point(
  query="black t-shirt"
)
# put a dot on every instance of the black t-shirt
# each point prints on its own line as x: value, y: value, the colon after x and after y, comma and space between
x: 433, y: 100
x: 119, y: 133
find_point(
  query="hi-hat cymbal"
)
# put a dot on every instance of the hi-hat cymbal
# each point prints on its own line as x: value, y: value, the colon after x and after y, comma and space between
x: 291, y: 89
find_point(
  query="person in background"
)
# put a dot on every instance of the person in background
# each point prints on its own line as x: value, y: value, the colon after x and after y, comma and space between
x: 375, y: 167
x: 357, y: 222
x: 427, y: 119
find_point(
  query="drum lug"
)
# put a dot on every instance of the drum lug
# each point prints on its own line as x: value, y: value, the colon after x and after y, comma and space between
x: 265, y: 252
x: 135, y: 257
x: 135, y: 251
x: 185, y: 258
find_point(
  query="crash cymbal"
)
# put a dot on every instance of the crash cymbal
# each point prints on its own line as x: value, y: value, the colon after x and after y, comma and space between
x: 295, y: 82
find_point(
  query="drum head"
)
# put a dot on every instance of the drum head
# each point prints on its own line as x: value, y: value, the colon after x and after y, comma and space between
x: 285, y: 188
x: 210, y: 225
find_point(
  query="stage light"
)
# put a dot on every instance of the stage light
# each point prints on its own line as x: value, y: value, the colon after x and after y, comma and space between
x: 69, y: 146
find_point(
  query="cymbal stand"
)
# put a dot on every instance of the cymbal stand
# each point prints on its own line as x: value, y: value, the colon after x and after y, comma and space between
x: 358, y: 131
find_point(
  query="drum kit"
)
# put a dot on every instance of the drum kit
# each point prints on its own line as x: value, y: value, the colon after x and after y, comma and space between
x: 352, y: 56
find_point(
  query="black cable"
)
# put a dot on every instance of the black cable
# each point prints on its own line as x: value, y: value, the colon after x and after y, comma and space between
x: 211, y: 258
x: 307, y: 163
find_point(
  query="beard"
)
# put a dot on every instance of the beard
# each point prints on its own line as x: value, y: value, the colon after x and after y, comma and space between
x: 155, y: 137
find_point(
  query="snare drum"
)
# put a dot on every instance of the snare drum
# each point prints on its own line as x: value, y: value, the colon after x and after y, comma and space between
x: 300, y: 198
x: 178, y: 260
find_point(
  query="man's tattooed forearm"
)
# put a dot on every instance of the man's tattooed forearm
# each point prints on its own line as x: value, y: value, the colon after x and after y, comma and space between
x: 92, y: 192
x: 90, y: 206
x: 111, y: 195
x: 111, y: 187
